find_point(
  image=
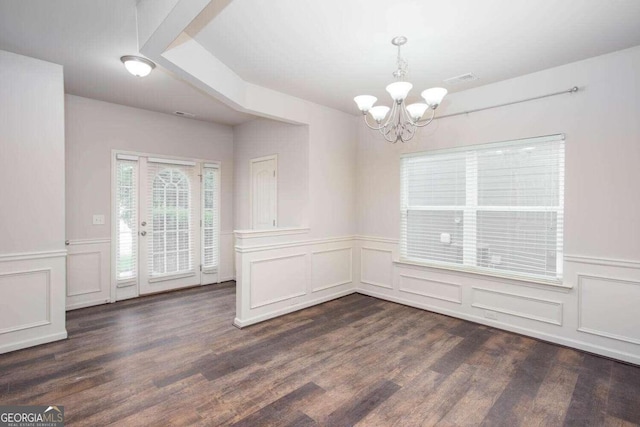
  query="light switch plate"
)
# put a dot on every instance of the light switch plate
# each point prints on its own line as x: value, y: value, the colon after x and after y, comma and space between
x: 98, y: 219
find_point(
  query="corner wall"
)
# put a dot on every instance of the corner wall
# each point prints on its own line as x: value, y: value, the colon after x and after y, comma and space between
x: 598, y: 313
x: 32, y: 185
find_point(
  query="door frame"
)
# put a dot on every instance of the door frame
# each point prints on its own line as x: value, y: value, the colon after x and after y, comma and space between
x: 113, y: 209
x: 273, y: 157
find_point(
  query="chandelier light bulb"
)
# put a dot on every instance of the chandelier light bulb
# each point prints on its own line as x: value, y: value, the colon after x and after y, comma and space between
x: 365, y: 102
x: 416, y: 111
x: 379, y: 112
x: 399, y: 90
x: 434, y: 96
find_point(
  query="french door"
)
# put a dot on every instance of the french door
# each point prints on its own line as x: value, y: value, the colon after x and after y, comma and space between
x: 167, y: 224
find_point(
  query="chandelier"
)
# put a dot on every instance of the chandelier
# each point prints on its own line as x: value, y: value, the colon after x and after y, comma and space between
x: 404, y: 120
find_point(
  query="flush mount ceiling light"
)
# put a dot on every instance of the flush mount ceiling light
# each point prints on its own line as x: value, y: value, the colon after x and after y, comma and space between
x: 404, y: 119
x: 138, y: 66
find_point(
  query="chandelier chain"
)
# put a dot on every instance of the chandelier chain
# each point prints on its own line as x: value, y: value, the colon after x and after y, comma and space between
x: 402, y: 64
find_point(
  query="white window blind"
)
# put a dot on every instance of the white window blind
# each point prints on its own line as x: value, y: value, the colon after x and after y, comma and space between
x: 171, y: 235
x: 210, y: 217
x: 126, y: 221
x: 494, y: 207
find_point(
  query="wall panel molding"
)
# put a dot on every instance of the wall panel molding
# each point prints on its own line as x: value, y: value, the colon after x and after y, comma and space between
x: 315, y: 268
x: 258, y: 280
x: 615, y: 309
x: 97, y: 255
x: 45, y: 309
x: 88, y: 273
x: 433, y: 285
x: 363, y: 267
x: 35, y: 288
x: 536, y: 305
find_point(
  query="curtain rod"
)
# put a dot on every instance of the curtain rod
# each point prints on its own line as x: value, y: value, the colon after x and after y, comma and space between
x: 569, y: 91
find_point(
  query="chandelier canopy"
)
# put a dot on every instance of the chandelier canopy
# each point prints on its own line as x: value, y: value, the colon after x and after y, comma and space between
x: 404, y: 120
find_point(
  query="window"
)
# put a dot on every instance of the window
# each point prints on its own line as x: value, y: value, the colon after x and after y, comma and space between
x: 126, y: 221
x: 494, y: 208
x: 211, y: 217
x: 170, y: 240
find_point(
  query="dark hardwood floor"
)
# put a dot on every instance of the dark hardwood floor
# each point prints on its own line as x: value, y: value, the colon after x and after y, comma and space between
x: 175, y: 359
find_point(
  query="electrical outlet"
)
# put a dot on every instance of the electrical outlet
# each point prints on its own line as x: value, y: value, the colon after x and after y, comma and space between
x: 98, y: 219
x: 491, y: 315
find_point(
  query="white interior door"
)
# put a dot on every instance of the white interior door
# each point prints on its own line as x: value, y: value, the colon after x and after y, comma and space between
x: 169, y: 227
x: 264, y: 192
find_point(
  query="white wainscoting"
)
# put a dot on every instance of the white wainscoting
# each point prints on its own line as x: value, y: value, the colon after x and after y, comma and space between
x: 331, y: 268
x: 608, y: 307
x: 436, y: 289
x: 278, y: 278
x: 376, y: 267
x: 595, y: 310
x: 88, y: 273
x: 517, y: 304
x: 278, y: 274
x: 32, y: 289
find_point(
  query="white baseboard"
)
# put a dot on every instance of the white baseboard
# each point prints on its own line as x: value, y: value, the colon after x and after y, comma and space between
x: 86, y: 304
x: 276, y: 313
x: 556, y: 339
x: 32, y: 342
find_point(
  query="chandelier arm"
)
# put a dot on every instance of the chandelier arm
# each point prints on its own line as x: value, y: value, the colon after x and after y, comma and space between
x: 407, y: 124
x: 370, y: 126
x: 392, y: 114
x: 387, y: 130
x: 423, y: 124
x: 411, y: 132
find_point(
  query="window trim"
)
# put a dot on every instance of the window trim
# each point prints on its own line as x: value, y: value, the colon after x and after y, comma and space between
x: 470, y: 217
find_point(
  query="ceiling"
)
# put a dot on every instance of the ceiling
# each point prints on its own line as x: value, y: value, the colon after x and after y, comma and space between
x: 325, y: 51
x: 331, y: 50
x: 88, y: 37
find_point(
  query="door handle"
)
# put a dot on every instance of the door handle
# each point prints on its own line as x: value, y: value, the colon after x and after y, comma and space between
x: 143, y: 233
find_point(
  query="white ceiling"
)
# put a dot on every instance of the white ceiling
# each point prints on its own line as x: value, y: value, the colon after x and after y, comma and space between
x: 88, y: 37
x: 328, y: 51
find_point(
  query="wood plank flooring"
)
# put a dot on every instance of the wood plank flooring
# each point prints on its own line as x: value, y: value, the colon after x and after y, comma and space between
x: 175, y: 359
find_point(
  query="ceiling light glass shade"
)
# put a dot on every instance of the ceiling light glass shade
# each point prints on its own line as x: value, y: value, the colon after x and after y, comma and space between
x: 139, y: 67
x: 434, y: 96
x: 379, y: 113
x: 365, y: 102
x: 417, y: 110
x: 399, y: 90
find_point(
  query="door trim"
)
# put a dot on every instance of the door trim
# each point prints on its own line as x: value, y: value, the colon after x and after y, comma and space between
x: 134, y: 155
x: 273, y: 157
